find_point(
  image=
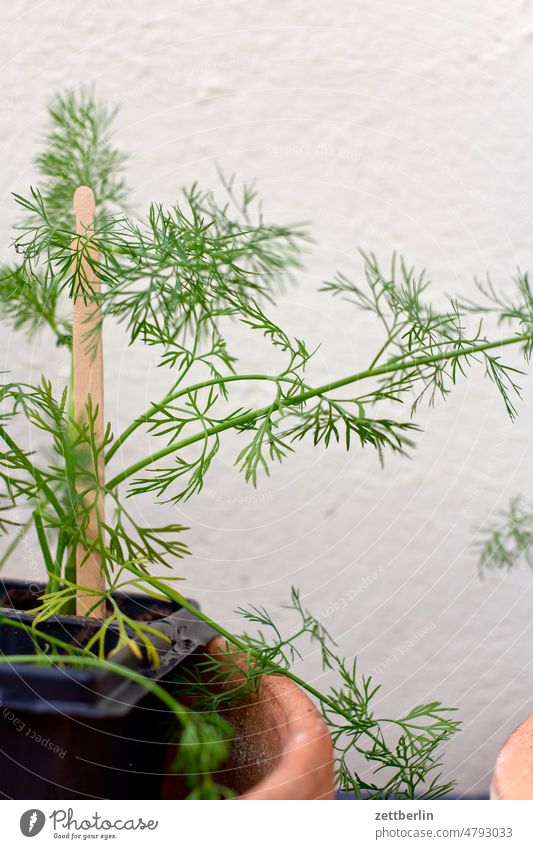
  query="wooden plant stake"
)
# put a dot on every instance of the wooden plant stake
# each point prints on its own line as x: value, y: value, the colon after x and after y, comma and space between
x: 88, y: 369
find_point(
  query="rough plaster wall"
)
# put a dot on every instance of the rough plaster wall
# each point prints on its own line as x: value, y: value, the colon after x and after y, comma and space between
x: 389, y: 126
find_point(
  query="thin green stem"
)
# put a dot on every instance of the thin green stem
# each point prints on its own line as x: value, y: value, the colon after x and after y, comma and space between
x: 35, y: 632
x: 54, y: 582
x: 233, y: 640
x: 69, y: 605
x: 173, y: 396
x: 391, y: 337
x: 35, y: 473
x: 90, y: 661
x: 251, y: 416
x: 43, y: 542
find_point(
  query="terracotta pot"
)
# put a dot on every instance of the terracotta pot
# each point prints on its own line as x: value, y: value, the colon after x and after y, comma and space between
x: 282, y: 748
x: 513, y: 773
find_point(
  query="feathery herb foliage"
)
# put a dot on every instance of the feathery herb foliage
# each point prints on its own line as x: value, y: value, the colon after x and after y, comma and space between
x: 172, y: 278
x: 402, y: 755
x: 510, y: 540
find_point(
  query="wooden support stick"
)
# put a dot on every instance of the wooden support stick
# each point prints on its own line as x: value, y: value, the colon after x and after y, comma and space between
x: 88, y: 370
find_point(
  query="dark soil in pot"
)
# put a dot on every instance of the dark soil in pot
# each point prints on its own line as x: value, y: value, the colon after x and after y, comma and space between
x: 72, y: 733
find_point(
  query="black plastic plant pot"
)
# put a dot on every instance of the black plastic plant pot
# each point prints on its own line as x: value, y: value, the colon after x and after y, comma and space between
x: 68, y: 733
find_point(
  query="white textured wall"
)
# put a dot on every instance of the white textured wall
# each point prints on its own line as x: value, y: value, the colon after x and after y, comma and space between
x: 390, y: 126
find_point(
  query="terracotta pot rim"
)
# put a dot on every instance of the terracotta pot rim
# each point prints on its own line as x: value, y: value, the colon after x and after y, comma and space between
x: 304, y: 768
x: 513, y: 771
x: 282, y: 748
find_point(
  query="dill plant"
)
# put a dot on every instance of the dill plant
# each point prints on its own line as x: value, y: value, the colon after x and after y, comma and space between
x: 171, y: 278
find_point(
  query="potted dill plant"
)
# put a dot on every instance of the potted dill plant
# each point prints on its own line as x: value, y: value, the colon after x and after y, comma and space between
x: 107, y: 663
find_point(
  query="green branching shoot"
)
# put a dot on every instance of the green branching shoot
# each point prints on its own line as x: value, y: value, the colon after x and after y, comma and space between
x: 378, y: 757
x: 77, y: 150
x: 173, y: 278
